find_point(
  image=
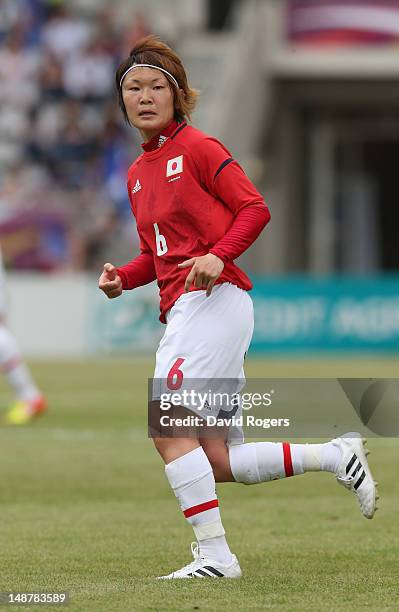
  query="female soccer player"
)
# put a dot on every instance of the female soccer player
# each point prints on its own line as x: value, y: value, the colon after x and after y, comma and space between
x: 196, y: 212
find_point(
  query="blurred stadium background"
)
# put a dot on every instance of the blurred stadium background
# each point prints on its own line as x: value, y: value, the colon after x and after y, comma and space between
x: 305, y: 94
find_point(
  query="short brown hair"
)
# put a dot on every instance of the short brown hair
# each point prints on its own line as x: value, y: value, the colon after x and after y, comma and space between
x: 152, y: 50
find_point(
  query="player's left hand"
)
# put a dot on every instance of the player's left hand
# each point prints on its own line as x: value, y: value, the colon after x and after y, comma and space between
x: 205, y: 271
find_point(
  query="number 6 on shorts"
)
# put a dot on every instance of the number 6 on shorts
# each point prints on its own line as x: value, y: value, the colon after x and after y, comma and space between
x: 175, y: 376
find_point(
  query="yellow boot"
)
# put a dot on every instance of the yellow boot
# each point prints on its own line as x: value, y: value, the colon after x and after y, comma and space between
x: 22, y: 412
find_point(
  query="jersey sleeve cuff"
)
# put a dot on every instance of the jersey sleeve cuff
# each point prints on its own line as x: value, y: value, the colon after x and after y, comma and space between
x: 123, y: 278
x: 216, y: 252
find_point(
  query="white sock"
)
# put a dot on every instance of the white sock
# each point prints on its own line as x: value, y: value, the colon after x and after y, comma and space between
x: 330, y: 457
x: 318, y: 457
x: 263, y: 461
x: 192, y: 480
x: 12, y: 366
x: 216, y: 549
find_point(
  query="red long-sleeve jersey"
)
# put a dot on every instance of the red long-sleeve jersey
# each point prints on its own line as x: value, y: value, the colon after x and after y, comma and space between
x: 190, y: 198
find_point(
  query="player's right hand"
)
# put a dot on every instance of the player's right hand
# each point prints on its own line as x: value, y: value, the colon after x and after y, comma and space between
x: 110, y: 282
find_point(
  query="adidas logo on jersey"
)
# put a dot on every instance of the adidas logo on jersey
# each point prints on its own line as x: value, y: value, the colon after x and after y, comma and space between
x: 137, y: 187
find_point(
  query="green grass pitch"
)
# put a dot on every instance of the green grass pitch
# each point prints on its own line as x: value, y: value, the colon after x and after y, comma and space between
x: 85, y: 507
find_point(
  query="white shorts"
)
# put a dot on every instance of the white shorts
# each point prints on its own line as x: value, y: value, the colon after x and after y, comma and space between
x: 206, y: 338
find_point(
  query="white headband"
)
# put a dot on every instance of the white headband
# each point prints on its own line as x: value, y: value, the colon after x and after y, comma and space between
x: 149, y: 66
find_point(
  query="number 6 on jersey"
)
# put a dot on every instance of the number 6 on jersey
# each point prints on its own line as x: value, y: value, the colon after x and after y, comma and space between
x: 160, y: 240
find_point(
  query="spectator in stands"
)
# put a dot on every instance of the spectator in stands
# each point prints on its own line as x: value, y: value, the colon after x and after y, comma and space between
x: 19, y: 71
x: 51, y: 78
x: 13, y: 129
x: 107, y: 31
x: 139, y: 28
x: 116, y: 152
x: 9, y: 16
x: 89, y: 73
x: 64, y: 33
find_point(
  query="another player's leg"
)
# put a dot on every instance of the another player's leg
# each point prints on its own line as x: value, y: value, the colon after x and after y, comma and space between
x: 191, y: 477
x: 29, y: 403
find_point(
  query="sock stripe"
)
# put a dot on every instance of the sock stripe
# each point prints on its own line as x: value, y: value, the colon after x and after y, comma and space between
x: 214, y: 503
x: 289, y: 470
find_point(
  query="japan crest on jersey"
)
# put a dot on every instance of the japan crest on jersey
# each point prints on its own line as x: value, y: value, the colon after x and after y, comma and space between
x: 174, y: 166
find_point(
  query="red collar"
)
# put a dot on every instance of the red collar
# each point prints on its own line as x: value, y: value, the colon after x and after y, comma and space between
x: 159, y: 139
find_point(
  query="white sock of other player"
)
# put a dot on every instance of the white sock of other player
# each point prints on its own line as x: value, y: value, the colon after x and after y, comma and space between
x: 13, y: 368
x: 192, y: 480
x: 263, y: 461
